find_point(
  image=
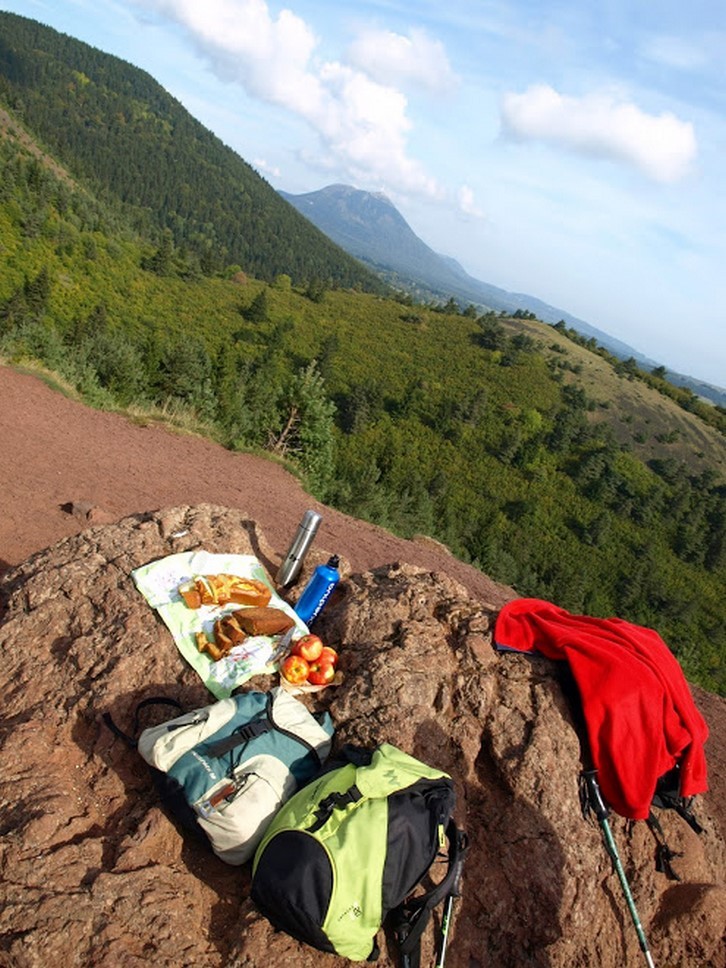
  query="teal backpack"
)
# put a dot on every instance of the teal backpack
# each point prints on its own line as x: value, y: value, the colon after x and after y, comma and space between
x: 347, y: 851
x: 224, y: 770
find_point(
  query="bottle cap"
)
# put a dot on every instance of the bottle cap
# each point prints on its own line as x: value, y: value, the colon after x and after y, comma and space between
x: 311, y: 520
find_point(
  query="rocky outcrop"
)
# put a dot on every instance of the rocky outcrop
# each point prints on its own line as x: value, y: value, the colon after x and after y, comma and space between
x: 95, y: 874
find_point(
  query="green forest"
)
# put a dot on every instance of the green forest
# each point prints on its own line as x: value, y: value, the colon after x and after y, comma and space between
x: 528, y: 451
x: 136, y: 147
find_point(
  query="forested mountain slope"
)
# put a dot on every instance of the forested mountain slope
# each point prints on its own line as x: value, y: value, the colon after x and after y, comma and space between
x: 124, y: 136
x: 545, y: 463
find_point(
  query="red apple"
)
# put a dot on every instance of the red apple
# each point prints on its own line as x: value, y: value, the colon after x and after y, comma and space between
x: 295, y: 669
x: 321, y: 672
x: 330, y: 654
x: 309, y: 647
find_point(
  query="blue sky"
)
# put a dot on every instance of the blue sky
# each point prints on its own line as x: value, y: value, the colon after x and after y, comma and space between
x: 571, y: 150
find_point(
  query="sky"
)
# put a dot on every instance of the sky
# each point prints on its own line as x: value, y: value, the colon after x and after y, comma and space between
x: 569, y: 149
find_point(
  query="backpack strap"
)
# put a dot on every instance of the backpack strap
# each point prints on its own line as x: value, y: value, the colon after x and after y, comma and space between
x: 264, y: 723
x: 241, y: 736
x: 683, y: 806
x: 318, y: 717
x: 411, y: 918
x: 332, y: 802
x: 151, y: 701
x: 668, y: 797
x: 663, y: 853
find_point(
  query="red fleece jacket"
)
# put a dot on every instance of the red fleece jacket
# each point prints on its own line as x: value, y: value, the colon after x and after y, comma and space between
x: 639, y: 712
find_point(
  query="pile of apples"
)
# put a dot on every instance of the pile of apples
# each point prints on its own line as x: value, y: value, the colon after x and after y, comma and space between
x: 310, y: 662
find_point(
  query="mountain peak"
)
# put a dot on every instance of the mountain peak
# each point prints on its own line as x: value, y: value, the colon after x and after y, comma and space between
x: 347, y: 201
x: 338, y: 190
x: 366, y: 224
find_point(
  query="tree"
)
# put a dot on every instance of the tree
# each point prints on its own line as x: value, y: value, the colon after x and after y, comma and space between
x: 13, y: 312
x: 315, y: 290
x: 523, y: 343
x: 160, y: 261
x: 628, y: 368
x: 307, y: 432
x: 117, y: 363
x: 185, y: 374
x: 360, y: 407
x: 210, y: 261
x: 327, y: 355
x: 451, y: 307
x: 493, y: 336
x: 256, y: 312
x: 37, y: 292
x: 283, y: 282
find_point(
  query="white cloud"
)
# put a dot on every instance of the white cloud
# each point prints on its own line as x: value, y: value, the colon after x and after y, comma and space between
x: 467, y: 203
x: 392, y: 58
x: 261, y: 164
x: 662, y: 146
x: 243, y: 43
x: 362, y: 124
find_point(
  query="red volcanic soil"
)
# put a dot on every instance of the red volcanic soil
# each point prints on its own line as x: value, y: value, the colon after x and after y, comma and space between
x: 58, y: 453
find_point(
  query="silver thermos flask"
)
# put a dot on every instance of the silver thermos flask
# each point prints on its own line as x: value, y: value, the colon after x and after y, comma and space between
x: 292, y: 562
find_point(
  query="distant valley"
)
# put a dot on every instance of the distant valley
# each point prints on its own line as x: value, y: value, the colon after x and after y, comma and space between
x: 369, y: 227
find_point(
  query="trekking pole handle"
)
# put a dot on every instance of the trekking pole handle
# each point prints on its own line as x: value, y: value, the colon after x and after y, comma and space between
x: 462, y: 844
x: 594, y: 795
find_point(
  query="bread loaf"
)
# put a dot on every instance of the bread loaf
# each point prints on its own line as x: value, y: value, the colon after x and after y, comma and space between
x: 266, y: 620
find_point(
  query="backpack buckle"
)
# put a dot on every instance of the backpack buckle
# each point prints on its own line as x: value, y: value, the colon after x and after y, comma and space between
x: 331, y: 802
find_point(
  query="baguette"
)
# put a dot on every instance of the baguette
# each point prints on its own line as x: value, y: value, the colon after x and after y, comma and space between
x: 222, y: 589
x: 249, y: 591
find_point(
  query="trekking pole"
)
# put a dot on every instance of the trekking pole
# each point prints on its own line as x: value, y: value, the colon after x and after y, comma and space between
x: 454, y: 892
x: 446, y: 921
x: 597, y: 804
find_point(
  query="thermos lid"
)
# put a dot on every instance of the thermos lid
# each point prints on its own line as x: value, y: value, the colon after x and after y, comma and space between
x: 311, y: 520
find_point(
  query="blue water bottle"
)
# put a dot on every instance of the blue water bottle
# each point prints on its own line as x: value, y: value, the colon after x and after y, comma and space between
x: 318, y: 590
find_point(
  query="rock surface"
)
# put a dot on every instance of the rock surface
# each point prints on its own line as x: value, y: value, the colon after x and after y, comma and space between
x: 95, y: 874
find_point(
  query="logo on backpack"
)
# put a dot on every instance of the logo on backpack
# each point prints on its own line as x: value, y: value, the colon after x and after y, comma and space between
x: 204, y: 765
x: 355, y: 910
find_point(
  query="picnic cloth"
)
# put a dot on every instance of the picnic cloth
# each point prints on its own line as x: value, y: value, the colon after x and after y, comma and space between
x: 159, y: 582
x: 639, y: 712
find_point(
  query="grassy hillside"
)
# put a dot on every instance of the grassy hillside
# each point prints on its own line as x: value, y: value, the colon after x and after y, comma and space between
x: 646, y: 422
x: 546, y: 464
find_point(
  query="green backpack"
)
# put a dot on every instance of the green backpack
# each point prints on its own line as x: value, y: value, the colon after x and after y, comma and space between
x: 347, y: 850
